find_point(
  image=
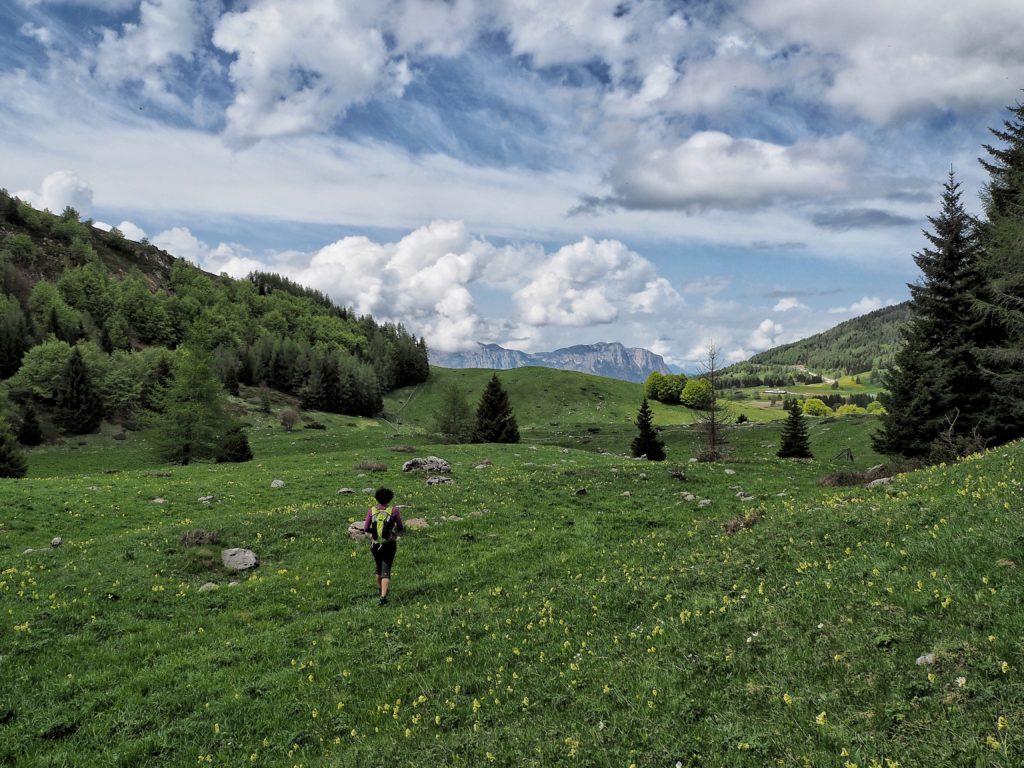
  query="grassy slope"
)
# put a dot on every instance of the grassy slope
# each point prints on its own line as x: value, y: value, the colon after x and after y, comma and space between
x: 544, y: 628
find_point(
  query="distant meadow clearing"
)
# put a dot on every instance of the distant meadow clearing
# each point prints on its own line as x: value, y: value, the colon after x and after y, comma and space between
x: 566, y: 605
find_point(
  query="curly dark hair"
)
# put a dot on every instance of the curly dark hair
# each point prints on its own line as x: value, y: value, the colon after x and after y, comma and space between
x: 383, y: 495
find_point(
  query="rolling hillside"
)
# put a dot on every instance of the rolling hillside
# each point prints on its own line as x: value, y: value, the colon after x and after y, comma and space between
x: 862, y: 344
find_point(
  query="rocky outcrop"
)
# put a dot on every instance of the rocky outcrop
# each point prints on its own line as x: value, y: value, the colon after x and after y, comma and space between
x: 612, y: 360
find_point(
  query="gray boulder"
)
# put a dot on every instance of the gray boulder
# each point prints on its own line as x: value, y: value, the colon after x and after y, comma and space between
x: 238, y: 559
x: 346, y: 490
x: 432, y: 464
x: 209, y: 586
x: 277, y: 483
x: 56, y: 541
x: 206, y: 499
x: 438, y: 480
x: 355, y: 531
x: 880, y: 481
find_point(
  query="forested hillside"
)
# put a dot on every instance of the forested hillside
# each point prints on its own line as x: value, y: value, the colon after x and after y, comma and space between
x: 127, y: 308
x: 862, y: 344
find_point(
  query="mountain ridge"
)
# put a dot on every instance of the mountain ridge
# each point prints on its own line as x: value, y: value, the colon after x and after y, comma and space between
x: 611, y: 359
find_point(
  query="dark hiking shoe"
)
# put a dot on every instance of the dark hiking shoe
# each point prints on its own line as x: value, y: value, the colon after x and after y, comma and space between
x: 383, y: 601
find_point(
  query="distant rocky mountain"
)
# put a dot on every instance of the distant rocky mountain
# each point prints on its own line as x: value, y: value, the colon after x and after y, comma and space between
x: 603, y: 359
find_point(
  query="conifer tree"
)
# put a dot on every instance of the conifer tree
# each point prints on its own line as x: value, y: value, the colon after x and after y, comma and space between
x: 453, y: 419
x: 495, y: 422
x: 795, y: 443
x: 935, y: 378
x: 647, y: 443
x: 192, y: 424
x: 29, y: 432
x: 79, y: 409
x: 1000, y: 301
x: 12, y: 460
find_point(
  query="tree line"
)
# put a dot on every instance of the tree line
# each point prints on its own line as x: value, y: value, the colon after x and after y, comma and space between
x: 957, y: 383
x: 65, y: 313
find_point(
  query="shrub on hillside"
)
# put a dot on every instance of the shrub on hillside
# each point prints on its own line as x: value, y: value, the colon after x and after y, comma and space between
x: 815, y: 407
x: 234, y: 448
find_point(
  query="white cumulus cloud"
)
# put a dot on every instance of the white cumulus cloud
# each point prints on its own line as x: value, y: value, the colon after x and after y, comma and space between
x: 59, y: 190
x: 300, y: 66
x: 862, y: 307
x: 711, y: 169
x: 765, y: 336
x: 788, y: 303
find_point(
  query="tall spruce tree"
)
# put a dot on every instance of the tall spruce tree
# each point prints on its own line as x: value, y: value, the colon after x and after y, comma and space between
x: 647, y: 443
x: 79, y: 409
x: 1000, y: 300
x: 934, y: 386
x: 795, y: 442
x: 495, y: 422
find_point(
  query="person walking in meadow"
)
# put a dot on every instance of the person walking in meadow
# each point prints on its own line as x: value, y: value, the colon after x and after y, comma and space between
x: 384, y: 524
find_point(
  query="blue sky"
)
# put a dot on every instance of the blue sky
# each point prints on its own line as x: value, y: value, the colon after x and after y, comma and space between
x: 534, y: 173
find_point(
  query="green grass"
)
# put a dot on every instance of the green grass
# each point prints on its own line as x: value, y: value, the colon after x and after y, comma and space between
x: 546, y: 627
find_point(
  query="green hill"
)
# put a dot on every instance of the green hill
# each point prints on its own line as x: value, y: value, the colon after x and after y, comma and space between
x: 862, y: 344
x: 563, y: 607
x: 128, y: 307
x: 542, y: 398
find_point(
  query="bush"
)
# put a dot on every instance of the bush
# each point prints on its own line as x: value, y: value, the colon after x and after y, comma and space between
x: 816, y: 407
x: 234, y: 449
x: 289, y: 418
x: 696, y: 394
x: 370, y: 466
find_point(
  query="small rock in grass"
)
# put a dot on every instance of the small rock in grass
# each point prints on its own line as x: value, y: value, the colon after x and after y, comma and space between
x: 346, y: 490
x: 433, y: 464
x: 355, y: 531
x: 209, y: 587
x: 370, y: 491
x: 626, y: 493
x: 879, y: 481
x: 238, y: 559
x: 643, y: 475
x: 704, y: 503
x: 234, y: 583
x: 159, y: 500
x: 693, y: 460
x: 730, y: 471
x: 56, y: 541
x: 438, y: 480
x: 27, y: 551
x: 416, y: 523
x: 927, y: 660
x: 206, y: 499
x: 277, y: 483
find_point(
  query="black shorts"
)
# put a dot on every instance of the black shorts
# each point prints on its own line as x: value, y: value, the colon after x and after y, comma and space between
x: 384, y: 556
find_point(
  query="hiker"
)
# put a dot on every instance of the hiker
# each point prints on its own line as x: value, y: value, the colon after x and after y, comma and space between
x: 383, y: 524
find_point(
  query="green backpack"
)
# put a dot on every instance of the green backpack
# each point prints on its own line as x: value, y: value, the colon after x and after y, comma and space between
x: 383, y: 520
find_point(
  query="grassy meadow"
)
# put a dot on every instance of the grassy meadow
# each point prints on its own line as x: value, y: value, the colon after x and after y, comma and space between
x: 566, y: 605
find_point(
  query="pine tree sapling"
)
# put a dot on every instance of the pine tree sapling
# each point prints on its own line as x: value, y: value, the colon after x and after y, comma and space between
x: 234, y: 449
x: 647, y: 443
x: 453, y: 419
x: 12, y: 460
x: 495, y: 422
x: 795, y: 442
